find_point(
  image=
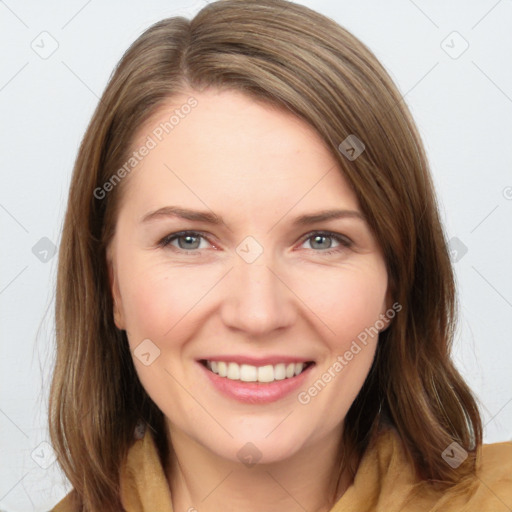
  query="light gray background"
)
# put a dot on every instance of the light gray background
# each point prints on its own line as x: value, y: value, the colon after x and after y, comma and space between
x: 462, y: 103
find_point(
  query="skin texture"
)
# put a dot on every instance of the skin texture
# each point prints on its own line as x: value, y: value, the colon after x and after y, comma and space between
x: 258, y: 167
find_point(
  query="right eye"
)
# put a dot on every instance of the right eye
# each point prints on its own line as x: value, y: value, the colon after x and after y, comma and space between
x: 186, y: 241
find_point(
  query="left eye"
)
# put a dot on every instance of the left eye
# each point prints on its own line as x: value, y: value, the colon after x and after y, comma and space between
x: 324, y: 241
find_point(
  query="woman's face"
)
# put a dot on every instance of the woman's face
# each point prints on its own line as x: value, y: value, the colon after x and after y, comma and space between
x: 240, y: 249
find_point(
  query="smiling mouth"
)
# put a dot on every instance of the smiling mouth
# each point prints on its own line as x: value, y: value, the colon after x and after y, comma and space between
x: 249, y: 373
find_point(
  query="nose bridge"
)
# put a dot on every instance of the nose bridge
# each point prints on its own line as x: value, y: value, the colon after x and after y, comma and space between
x: 256, y: 300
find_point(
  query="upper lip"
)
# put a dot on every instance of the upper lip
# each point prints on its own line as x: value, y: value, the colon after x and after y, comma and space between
x: 257, y: 361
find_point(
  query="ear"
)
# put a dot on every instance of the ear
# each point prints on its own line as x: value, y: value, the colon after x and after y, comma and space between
x: 387, y: 306
x: 114, y: 289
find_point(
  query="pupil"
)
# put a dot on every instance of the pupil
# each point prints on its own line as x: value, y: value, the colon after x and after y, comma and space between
x: 317, y: 242
x: 191, y: 242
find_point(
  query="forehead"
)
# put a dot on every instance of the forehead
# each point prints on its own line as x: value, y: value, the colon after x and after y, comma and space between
x: 231, y: 147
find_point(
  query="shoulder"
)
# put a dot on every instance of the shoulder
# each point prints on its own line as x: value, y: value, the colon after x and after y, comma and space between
x: 386, y: 480
x: 494, y: 470
x: 67, y: 504
x: 489, y: 490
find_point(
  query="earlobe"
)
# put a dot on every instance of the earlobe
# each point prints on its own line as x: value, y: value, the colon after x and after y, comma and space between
x: 116, y: 296
x: 388, y: 313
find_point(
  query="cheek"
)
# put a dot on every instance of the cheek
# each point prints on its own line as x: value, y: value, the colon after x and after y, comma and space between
x: 149, y: 306
x: 349, y: 304
x: 157, y: 297
x: 346, y: 300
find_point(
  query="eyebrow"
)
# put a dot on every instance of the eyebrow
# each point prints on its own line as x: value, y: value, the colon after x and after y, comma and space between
x: 211, y: 218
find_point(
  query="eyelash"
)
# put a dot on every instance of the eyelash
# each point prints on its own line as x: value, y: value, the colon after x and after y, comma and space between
x: 344, y: 242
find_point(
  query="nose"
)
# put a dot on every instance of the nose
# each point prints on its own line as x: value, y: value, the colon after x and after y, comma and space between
x: 257, y: 301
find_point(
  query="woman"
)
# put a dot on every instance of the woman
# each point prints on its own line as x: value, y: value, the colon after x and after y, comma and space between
x: 255, y: 302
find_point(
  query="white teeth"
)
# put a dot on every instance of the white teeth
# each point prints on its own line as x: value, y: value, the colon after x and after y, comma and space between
x: 266, y: 373
x: 223, y: 369
x: 279, y: 371
x: 233, y: 371
x: 250, y: 373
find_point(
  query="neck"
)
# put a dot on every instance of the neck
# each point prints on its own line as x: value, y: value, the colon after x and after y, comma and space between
x: 200, y: 480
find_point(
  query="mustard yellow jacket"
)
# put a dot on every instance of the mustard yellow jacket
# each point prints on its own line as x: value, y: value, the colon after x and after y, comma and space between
x: 384, y: 482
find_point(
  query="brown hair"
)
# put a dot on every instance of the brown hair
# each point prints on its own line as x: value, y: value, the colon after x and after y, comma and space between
x: 292, y: 57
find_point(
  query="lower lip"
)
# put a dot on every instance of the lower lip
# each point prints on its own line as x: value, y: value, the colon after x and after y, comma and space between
x: 256, y: 392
